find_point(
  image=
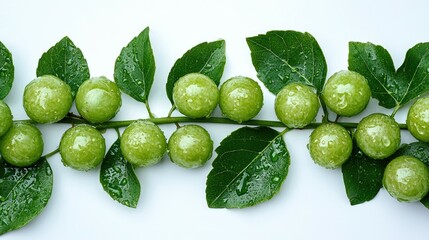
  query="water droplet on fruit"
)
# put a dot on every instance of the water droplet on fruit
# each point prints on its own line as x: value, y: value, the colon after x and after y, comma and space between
x: 386, y: 141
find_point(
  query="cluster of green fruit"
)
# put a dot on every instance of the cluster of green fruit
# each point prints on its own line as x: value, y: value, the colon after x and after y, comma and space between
x: 48, y: 99
x: 347, y: 93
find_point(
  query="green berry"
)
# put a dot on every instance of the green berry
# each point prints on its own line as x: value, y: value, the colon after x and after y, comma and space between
x: 406, y: 178
x: 241, y: 98
x: 143, y: 143
x: 47, y: 99
x: 82, y: 147
x: 190, y: 146
x: 346, y: 93
x: 330, y: 145
x: 195, y: 95
x: 418, y: 119
x: 378, y: 135
x: 98, y: 99
x: 296, y: 105
x: 5, y: 118
x: 22, y: 145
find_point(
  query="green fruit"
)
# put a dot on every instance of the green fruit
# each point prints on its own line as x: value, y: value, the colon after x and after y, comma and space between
x: 5, y: 118
x: 241, y: 98
x: 296, y: 105
x: 195, y: 95
x: 190, y: 146
x: 98, y: 99
x: 378, y: 136
x: 346, y: 93
x: 406, y: 178
x: 143, y: 143
x: 418, y: 119
x: 330, y: 145
x: 82, y: 147
x: 47, y: 99
x: 22, y: 145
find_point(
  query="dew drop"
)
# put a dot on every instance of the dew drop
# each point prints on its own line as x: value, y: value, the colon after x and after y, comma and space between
x: 243, y: 184
x: 276, y: 179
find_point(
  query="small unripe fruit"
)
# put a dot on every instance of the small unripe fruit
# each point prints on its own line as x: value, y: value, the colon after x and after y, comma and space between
x: 82, y: 147
x: 98, y: 99
x: 190, y: 146
x: 5, y: 118
x: 143, y: 143
x: 22, y: 145
x: 195, y: 95
x: 418, y: 119
x: 241, y: 99
x: 406, y: 178
x: 296, y: 105
x: 346, y: 93
x: 330, y: 145
x: 378, y: 135
x: 47, y: 99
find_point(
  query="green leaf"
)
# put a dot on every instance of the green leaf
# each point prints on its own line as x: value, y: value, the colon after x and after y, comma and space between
x: 419, y: 150
x: 392, y: 88
x: 24, y: 193
x: 65, y: 61
x: 282, y: 57
x: 135, y: 67
x: 6, y: 71
x: 251, y: 165
x: 362, y: 177
x: 207, y: 58
x: 118, y: 178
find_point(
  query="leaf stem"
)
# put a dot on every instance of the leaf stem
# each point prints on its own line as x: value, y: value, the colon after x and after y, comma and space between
x: 325, y: 118
x: 48, y: 155
x: 395, y: 110
x: 148, y: 109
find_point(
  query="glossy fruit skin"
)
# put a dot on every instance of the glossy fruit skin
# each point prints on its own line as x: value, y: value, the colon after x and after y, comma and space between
x: 47, y: 99
x: 6, y: 118
x: 378, y: 135
x: 296, y: 105
x: 190, y: 146
x: 22, y: 145
x: 195, y: 95
x: 346, y: 93
x: 82, y: 147
x: 98, y: 99
x: 418, y: 119
x: 241, y: 98
x: 330, y: 145
x: 143, y: 144
x: 406, y: 178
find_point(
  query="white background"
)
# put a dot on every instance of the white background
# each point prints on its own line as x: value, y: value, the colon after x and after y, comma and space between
x: 311, y: 204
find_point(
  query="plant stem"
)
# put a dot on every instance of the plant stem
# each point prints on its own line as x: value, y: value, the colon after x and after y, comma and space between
x: 222, y: 120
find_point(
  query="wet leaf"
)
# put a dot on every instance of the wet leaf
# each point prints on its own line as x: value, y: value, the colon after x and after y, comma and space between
x: 65, y: 61
x: 392, y: 88
x: 251, y: 165
x: 282, y: 57
x: 362, y: 177
x: 24, y: 193
x: 7, y: 71
x: 135, y: 67
x: 118, y: 178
